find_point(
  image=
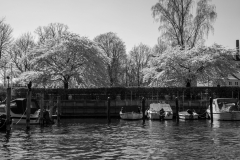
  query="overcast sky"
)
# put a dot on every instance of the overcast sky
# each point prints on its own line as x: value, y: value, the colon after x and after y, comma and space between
x: 131, y: 20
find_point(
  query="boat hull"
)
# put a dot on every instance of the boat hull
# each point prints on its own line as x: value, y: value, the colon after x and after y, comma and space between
x: 225, y: 116
x: 131, y: 116
x: 19, y: 120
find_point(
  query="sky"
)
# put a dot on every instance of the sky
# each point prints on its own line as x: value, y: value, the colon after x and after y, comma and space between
x: 131, y: 20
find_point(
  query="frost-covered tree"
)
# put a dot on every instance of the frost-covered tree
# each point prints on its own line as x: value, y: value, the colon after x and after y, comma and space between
x: 185, y: 67
x: 180, y: 25
x: 68, y: 61
x: 115, y: 49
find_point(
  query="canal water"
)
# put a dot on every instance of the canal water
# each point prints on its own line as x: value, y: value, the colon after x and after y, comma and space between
x: 95, y: 139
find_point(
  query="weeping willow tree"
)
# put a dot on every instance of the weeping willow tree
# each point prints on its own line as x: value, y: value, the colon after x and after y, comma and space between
x: 180, y: 25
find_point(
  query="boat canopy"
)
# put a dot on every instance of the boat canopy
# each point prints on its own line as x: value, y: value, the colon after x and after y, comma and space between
x: 18, y: 106
x: 159, y: 106
x: 228, y: 104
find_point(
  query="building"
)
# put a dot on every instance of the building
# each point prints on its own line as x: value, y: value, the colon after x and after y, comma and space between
x: 232, y: 80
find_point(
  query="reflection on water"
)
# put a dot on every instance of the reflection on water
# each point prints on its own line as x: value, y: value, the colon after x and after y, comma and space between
x: 95, y: 139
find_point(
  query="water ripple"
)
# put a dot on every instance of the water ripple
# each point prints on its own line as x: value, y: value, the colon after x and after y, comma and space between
x: 95, y: 139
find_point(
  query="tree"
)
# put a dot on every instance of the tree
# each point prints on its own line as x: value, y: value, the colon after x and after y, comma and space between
x: 184, y: 67
x: 159, y: 48
x: 5, y: 44
x: 67, y: 60
x: 21, y: 54
x: 53, y: 30
x: 179, y: 26
x: 139, y: 56
x: 114, y: 48
x: 129, y: 72
x: 5, y: 37
x: 5, y: 67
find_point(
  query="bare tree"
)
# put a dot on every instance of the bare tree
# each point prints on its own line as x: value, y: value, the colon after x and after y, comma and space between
x: 53, y: 30
x: 21, y: 54
x: 179, y: 25
x: 115, y: 49
x: 5, y: 37
x: 139, y: 56
x: 5, y: 44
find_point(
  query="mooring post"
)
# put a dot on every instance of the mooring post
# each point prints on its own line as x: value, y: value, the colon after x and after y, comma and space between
x: 108, y: 111
x: 177, y: 110
x: 211, y: 109
x: 41, y: 108
x: 8, y: 121
x: 143, y: 109
x: 58, y: 109
x: 29, y: 96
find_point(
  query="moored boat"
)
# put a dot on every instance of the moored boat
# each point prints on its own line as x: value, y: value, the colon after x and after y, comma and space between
x: 225, y: 109
x: 188, y: 115
x: 18, y: 111
x: 160, y: 111
x: 131, y: 113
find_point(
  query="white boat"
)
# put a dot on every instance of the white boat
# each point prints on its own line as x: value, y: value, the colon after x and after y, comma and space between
x: 188, y: 115
x: 131, y: 113
x: 160, y: 110
x: 18, y: 111
x: 225, y: 109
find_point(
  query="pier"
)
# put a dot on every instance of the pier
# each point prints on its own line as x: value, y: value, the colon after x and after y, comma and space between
x: 97, y: 108
x: 83, y: 103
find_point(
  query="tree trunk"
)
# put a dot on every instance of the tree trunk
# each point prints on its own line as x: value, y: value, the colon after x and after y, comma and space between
x: 65, y: 85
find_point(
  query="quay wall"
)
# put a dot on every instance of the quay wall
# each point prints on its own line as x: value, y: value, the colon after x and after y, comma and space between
x: 98, y: 108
